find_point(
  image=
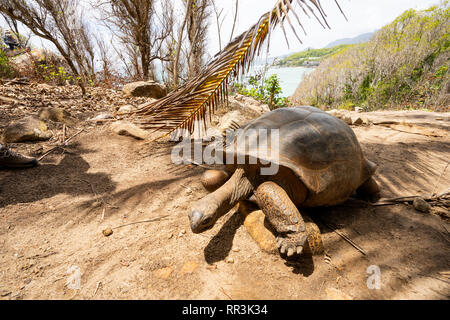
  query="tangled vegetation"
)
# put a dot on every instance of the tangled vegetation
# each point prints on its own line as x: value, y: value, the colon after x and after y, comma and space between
x: 405, y: 65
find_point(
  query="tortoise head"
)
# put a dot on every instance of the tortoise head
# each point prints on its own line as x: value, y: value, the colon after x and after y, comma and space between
x: 209, y: 209
x: 205, y: 214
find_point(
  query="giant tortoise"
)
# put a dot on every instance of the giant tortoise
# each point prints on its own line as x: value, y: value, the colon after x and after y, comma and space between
x: 320, y: 164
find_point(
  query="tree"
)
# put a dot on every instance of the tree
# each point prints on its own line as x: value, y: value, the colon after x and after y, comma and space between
x: 136, y: 24
x: 60, y: 22
x: 197, y: 30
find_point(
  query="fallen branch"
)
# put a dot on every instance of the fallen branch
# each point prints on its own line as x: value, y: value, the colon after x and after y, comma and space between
x: 440, y: 199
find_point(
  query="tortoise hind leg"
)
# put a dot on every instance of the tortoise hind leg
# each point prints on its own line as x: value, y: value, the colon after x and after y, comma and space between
x: 369, y: 190
x: 284, y: 216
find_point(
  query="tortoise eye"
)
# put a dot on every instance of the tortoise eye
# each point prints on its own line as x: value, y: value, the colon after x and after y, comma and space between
x: 206, y: 221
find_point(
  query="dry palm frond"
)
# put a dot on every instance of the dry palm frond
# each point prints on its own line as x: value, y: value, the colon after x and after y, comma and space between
x: 202, y: 94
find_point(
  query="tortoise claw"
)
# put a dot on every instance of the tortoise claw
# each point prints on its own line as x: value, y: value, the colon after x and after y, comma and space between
x: 292, y: 243
x: 290, y: 252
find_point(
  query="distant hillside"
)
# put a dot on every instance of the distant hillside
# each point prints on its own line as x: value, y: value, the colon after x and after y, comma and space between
x: 313, y: 57
x: 358, y: 39
x: 404, y: 65
x: 310, y: 57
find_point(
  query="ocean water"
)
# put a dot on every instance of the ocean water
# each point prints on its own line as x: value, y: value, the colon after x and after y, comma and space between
x: 290, y: 78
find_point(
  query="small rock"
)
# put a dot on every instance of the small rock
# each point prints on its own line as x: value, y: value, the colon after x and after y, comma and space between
x: 26, y: 129
x: 181, y: 233
x: 124, y: 128
x: 335, y: 113
x: 358, y: 121
x: 421, y: 205
x: 126, y: 109
x: 164, y: 273
x: 107, y: 232
x: 366, y: 121
x: 150, y: 89
x: 229, y: 260
x: 170, y: 236
x: 189, y: 267
x: 347, y: 120
x: 56, y: 115
x: 358, y: 109
x: 102, y: 116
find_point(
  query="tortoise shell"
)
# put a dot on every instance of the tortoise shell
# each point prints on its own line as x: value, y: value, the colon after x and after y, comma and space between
x: 320, y: 149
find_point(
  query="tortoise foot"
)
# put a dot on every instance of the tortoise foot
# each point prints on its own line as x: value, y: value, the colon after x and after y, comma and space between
x: 292, y: 243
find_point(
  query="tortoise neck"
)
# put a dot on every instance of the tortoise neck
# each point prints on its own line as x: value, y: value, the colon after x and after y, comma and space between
x: 237, y: 188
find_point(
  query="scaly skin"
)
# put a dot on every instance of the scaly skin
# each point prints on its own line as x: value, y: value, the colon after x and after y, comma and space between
x: 284, y: 217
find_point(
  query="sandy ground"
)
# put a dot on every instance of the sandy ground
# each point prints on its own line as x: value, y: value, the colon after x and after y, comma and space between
x: 52, y: 219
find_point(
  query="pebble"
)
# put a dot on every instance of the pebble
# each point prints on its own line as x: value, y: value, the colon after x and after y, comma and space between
x: 421, y: 205
x: 107, y: 232
x: 229, y: 260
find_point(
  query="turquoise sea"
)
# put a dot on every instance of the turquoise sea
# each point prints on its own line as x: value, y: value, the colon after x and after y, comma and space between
x: 289, y: 77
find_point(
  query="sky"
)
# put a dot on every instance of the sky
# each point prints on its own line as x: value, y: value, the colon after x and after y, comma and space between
x: 363, y: 16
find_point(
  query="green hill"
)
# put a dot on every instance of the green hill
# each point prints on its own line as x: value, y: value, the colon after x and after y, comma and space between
x: 404, y: 65
x: 301, y: 58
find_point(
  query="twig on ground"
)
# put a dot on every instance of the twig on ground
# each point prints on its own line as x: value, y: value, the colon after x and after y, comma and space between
x: 64, y: 135
x: 439, y: 179
x: 223, y: 291
x: 186, y: 187
x: 48, y: 152
x: 98, y: 286
x: 409, y: 199
x: 343, y: 236
x: 144, y: 221
x: 60, y: 146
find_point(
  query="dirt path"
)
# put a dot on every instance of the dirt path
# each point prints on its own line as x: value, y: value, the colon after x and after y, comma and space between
x: 52, y: 219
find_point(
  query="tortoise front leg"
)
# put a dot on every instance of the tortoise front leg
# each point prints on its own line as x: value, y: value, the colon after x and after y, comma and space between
x: 284, y: 217
x: 214, y: 179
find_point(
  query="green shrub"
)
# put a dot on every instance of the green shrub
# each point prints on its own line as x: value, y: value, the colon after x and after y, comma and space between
x: 6, y: 71
x: 269, y: 92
